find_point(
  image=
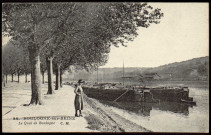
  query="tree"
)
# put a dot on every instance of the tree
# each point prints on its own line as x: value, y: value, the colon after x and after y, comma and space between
x: 33, y: 24
x: 3, y: 78
x: 10, y: 60
x: 15, y: 60
x: 110, y: 24
x: 26, y: 65
x: 54, y: 43
x: 43, y: 66
x: 98, y: 25
x: 203, y: 69
x: 19, y: 63
x: 5, y: 64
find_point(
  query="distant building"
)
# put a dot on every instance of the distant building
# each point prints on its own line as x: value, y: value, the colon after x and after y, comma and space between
x: 150, y: 76
x: 109, y: 86
x: 106, y: 86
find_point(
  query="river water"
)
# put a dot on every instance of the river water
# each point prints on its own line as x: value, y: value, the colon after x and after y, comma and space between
x: 168, y: 116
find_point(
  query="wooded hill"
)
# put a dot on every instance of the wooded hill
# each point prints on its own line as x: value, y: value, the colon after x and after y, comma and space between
x: 194, y: 69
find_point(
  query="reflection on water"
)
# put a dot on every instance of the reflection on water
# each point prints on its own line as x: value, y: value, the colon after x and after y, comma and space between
x: 143, y: 109
x: 168, y: 116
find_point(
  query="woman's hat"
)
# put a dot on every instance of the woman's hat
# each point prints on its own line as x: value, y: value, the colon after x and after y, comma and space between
x: 80, y: 81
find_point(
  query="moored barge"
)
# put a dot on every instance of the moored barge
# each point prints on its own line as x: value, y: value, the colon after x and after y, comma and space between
x: 142, y: 94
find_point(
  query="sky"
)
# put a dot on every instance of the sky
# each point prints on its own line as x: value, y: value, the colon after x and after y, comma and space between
x: 182, y: 34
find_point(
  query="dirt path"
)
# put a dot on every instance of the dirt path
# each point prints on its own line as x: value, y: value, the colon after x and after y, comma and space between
x: 56, y: 115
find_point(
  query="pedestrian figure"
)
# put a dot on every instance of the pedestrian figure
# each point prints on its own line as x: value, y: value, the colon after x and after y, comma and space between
x: 78, y: 99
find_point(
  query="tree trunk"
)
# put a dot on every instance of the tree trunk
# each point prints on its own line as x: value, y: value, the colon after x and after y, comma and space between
x: 35, y: 76
x: 50, y: 75
x: 12, y: 77
x: 18, y: 77
x: 61, y: 78
x: 6, y: 78
x: 58, y: 77
x: 2, y: 75
x: 26, y: 78
x: 3, y: 80
x: 56, y: 85
x: 43, y: 78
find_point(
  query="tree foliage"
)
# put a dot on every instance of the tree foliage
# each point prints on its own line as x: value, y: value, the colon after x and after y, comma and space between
x: 78, y: 34
x: 14, y: 59
x: 93, y: 25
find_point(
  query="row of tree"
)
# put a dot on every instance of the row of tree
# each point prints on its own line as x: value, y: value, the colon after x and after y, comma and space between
x: 14, y: 62
x: 58, y: 35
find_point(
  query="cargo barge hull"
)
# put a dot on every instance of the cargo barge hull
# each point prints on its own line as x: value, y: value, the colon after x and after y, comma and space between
x: 151, y: 95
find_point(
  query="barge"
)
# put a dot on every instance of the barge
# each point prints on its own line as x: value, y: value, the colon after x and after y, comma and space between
x: 142, y: 94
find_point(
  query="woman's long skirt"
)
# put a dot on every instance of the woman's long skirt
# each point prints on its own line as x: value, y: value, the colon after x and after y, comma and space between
x: 78, y: 102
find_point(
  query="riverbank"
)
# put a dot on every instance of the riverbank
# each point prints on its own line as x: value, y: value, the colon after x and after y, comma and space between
x: 57, y: 113
x: 104, y: 119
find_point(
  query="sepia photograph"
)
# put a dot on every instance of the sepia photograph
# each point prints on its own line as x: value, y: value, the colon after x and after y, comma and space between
x: 96, y: 67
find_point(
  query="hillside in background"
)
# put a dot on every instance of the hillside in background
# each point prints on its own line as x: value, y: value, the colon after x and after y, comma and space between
x: 194, y: 69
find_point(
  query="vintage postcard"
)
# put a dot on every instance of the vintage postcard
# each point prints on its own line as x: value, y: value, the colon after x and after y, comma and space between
x: 105, y: 67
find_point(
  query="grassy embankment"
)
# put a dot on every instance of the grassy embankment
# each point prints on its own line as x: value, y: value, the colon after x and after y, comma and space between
x: 101, y: 117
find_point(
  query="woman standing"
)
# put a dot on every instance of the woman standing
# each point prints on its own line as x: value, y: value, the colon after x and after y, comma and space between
x: 78, y: 99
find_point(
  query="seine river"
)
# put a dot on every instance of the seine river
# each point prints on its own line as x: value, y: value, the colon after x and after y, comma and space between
x: 169, y: 116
